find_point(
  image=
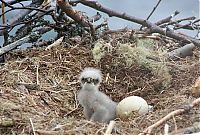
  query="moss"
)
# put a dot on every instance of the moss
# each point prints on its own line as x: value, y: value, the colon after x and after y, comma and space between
x: 144, y: 54
x: 98, y: 51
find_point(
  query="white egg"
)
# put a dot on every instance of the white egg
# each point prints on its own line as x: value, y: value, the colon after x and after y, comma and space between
x: 132, y: 104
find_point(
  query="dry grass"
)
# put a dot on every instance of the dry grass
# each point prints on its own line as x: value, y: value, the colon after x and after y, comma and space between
x: 39, y: 86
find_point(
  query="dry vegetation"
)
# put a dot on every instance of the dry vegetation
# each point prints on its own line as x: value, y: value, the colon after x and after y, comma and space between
x: 38, y: 89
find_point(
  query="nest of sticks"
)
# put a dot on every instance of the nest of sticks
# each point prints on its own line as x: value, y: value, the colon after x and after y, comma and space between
x: 39, y: 89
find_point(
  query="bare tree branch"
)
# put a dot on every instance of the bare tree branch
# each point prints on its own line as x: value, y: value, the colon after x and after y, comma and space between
x: 12, y: 46
x: 176, y: 22
x: 75, y: 15
x: 168, y: 19
x: 24, y: 12
x: 5, y: 32
x: 66, y: 7
x: 27, y: 39
x: 153, y: 28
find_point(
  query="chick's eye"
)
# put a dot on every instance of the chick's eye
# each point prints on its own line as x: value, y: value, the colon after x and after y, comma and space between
x: 96, y: 81
x: 83, y: 79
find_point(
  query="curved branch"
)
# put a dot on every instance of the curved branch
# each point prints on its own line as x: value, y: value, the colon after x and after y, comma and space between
x: 170, y: 115
x: 75, y: 15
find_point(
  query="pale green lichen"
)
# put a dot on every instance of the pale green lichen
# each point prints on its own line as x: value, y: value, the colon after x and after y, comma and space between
x: 143, y: 53
x: 98, y: 51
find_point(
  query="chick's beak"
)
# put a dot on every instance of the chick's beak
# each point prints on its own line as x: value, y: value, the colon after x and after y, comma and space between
x: 89, y: 80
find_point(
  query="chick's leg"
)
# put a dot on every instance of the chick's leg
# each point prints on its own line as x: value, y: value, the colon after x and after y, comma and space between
x: 88, y: 112
x: 100, y: 114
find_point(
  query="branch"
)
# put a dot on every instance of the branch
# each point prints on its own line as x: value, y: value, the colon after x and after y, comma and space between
x: 43, y: 132
x: 17, y: 43
x: 153, y: 9
x: 181, y: 52
x: 171, y: 115
x: 110, y: 127
x: 152, y: 12
x: 75, y: 15
x: 95, y: 17
x: 196, y: 21
x: 32, y: 126
x: 27, y: 39
x: 168, y: 19
x: 14, y: 21
x: 176, y: 21
x: 67, y: 8
x: 5, y: 32
x: 152, y: 27
x: 188, y: 26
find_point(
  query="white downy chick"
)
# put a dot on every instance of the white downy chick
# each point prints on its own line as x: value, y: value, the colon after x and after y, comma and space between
x: 97, y: 105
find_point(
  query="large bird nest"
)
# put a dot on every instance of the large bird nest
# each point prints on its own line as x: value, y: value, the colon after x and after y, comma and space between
x: 39, y: 88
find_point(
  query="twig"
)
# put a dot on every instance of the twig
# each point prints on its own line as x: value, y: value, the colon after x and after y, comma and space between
x: 27, y: 39
x: 166, y: 129
x: 152, y: 12
x: 176, y: 24
x: 43, y: 132
x: 153, y: 9
x: 193, y: 129
x: 14, y: 21
x: 56, y: 43
x: 196, y: 21
x: 170, y: 115
x: 110, y: 127
x: 37, y: 74
x: 168, y: 19
x: 114, y: 31
x: 188, y: 26
x: 28, y: 85
x: 175, y: 125
x: 5, y: 32
x: 71, y: 111
x: 32, y: 126
x: 95, y: 17
x: 176, y: 21
x: 3, y: 10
